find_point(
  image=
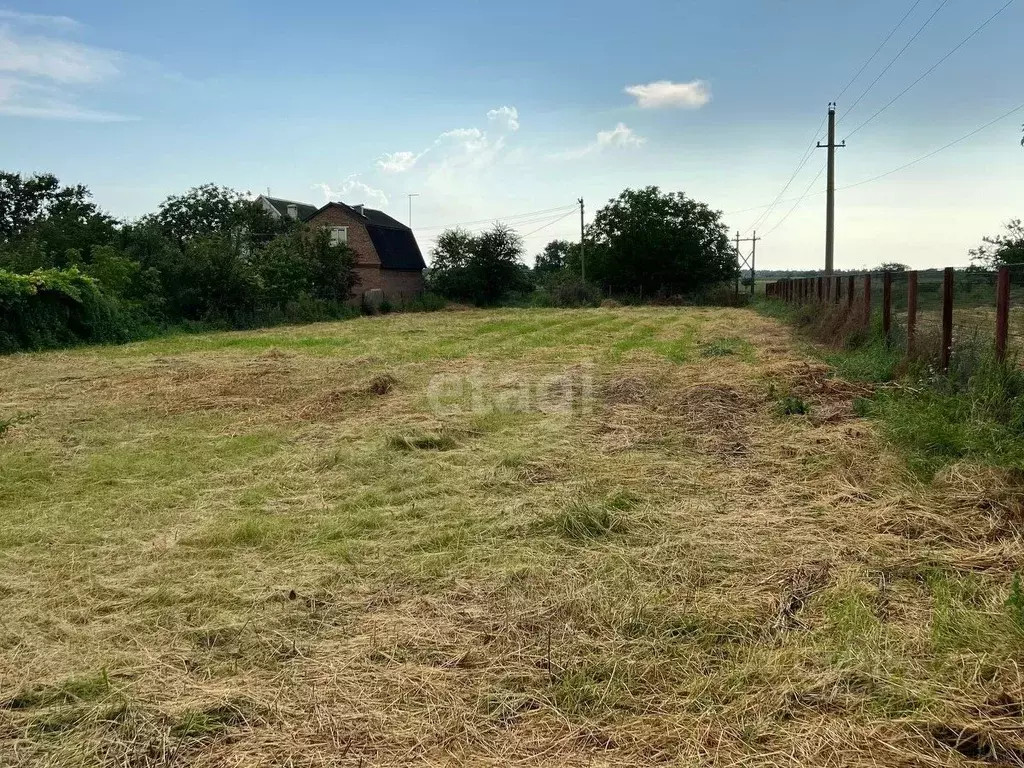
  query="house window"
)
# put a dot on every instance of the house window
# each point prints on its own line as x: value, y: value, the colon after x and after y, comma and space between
x: 339, y: 235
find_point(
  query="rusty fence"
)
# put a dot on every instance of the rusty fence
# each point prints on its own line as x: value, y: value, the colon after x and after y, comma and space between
x: 954, y: 304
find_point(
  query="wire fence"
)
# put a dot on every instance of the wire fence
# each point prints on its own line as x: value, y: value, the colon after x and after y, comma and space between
x: 951, y: 304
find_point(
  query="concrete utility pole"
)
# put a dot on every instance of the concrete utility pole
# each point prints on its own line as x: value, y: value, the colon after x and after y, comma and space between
x: 583, y: 255
x: 830, y: 205
x: 411, y: 196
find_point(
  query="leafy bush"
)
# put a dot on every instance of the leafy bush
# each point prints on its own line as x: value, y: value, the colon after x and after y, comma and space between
x: 53, y: 308
x: 567, y: 290
x: 426, y: 302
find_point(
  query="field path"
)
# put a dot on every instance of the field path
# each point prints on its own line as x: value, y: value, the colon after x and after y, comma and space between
x: 609, y: 537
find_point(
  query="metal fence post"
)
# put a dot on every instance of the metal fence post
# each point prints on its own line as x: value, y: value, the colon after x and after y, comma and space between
x: 1002, y: 312
x: 947, y: 317
x: 851, y: 289
x: 838, y: 290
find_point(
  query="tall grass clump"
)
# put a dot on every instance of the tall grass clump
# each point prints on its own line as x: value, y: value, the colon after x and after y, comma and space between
x: 973, y: 411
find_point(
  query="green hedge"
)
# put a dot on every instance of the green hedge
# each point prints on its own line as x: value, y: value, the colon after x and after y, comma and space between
x: 56, y: 308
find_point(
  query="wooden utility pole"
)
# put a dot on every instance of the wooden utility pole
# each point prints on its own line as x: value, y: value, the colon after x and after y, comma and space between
x: 830, y: 205
x: 583, y: 255
x: 1002, y: 312
x: 947, y: 316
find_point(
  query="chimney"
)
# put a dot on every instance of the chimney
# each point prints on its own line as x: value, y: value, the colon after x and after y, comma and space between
x: 359, y: 210
x: 293, y: 211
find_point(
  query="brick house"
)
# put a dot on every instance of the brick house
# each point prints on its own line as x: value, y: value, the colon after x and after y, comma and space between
x: 387, y: 255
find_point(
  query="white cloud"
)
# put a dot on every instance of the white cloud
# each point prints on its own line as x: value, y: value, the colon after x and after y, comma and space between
x: 38, y: 19
x: 397, y: 162
x: 352, y: 191
x: 22, y: 98
x: 621, y: 136
x: 665, y: 93
x: 454, y: 166
x: 460, y: 133
x: 57, y: 60
x: 506, y: 117
x: 41, y: 75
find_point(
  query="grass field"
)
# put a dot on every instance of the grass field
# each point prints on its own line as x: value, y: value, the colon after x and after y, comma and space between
x: 632, y: 536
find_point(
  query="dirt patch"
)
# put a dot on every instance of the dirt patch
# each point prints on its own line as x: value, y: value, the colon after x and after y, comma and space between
x: 628, y: 390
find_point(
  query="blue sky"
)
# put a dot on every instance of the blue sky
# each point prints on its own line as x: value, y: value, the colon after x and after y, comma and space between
x: 488, y: 110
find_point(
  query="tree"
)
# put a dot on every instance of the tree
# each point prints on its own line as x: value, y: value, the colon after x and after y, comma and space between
x: 210, y: 210
x: 554, y: 257
x: 24, y: 200
x: 651, y: 241
x: 484, y: 269
x: 41, y: 222
x: 1003, y: 249
x: 305, y: 264
x: 893, y: 266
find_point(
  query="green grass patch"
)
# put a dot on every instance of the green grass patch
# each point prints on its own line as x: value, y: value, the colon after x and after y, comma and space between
x: 793, y: 406
x: 582, y: 520
x: 729, y: 347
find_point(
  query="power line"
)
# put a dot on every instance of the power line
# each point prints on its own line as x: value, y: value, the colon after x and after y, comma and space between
x: 965, y: 137
x: 934, y: 66
x: 898, y: 55
x: 551, y: 223
x: 800, y: 166
x: 532, y: 214
x: 976, y: 131
x: 797, y: 201
x: 878, y: 49
x: 549, y: 219
x: 810, y: 149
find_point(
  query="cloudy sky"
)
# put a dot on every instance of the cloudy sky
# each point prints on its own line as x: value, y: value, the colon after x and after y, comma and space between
x: 513, y: 111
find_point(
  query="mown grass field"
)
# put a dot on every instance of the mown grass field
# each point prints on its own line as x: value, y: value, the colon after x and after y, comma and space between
x: 601, y: 537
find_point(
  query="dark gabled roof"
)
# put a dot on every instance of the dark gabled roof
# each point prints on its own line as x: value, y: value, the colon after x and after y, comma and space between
x: 397, y: 248
x: 394, y: 241
x: 281, y: 206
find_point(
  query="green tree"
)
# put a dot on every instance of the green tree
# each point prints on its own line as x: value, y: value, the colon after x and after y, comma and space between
x: 1006, y: 248
x: 650, y: 241
x: 892, y: 266
x: 212, y: 210
x: 42, y: 221
x: 484, y: 269
x: 304, y: 263
x: 24, y: 200
x: 554, y: 258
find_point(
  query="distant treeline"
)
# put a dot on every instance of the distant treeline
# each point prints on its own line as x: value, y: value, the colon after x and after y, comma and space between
x: 643, y: 245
